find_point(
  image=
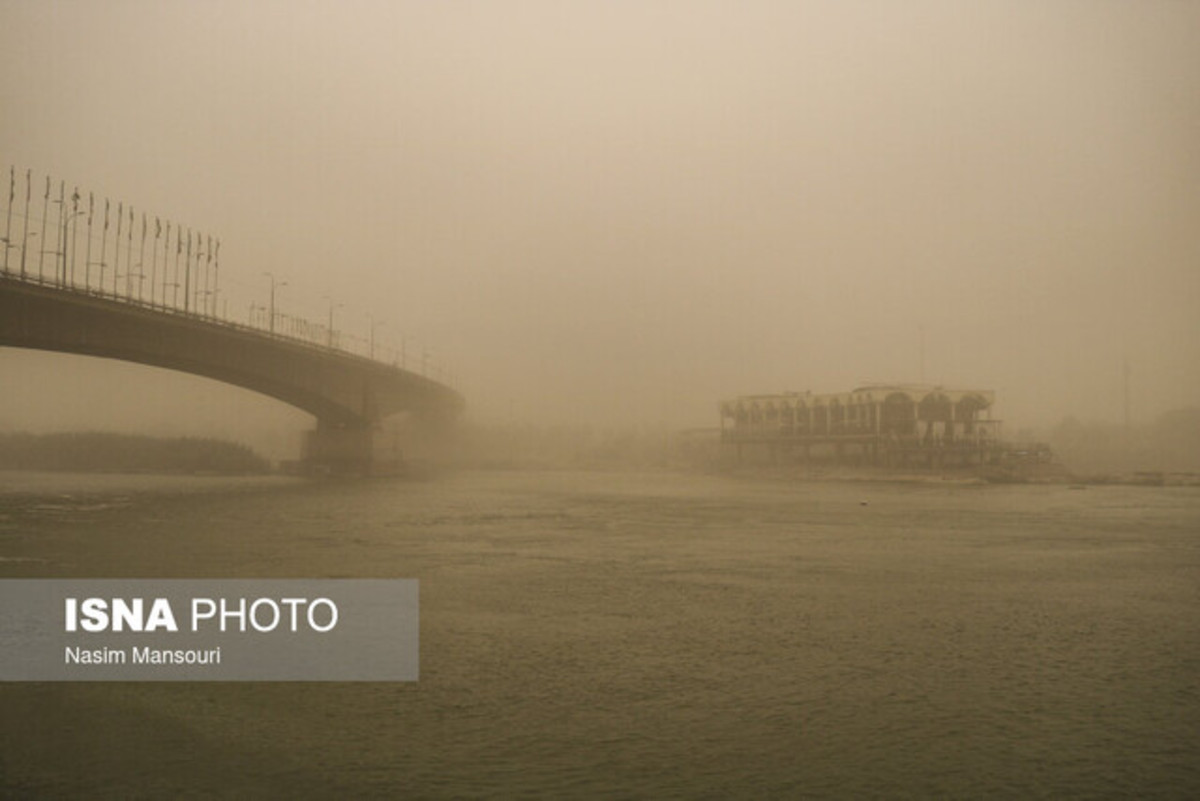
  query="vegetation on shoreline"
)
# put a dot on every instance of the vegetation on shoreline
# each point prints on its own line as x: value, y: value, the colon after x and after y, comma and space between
x: 93, y: 451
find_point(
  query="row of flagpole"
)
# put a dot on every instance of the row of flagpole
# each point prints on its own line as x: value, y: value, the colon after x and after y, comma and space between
x: 177, y: 258
x: 163, y: 253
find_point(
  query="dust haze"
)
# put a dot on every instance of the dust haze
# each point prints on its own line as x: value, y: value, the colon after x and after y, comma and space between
x: 620, y: 213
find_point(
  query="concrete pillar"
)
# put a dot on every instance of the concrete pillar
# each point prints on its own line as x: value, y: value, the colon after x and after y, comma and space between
x: 350, y: 450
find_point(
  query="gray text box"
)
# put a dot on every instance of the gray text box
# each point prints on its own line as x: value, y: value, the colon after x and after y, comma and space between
x: 273, y: 630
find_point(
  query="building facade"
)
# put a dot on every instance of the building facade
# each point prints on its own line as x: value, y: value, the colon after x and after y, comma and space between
x: 889, y: 425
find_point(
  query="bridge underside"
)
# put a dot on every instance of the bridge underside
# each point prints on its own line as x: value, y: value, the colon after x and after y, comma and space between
x: 349, y: 395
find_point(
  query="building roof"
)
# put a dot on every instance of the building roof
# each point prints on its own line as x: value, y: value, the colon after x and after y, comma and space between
x: 871, y: 393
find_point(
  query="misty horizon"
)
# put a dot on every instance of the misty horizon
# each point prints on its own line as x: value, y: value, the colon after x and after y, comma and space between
x: 621, y: 214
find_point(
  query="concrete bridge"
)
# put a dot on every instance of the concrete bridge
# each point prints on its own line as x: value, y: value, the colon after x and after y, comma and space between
x: 348, y: 394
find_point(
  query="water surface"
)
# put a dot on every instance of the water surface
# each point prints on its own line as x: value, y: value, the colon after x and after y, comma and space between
x: 650, y: 635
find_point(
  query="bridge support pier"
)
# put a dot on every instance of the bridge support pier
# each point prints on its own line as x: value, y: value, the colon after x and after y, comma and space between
x: 349, y: 450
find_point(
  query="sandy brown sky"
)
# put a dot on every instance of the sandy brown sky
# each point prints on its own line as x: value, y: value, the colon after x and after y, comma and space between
x: 624, y: 211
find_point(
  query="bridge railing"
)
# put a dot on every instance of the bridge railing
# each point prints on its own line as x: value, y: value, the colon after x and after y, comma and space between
x: 139, y: 260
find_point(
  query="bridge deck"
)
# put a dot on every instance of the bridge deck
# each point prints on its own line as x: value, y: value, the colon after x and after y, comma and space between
x: 341, y: 389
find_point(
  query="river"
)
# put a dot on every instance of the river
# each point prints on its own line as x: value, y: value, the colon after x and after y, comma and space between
x: 651, y: 635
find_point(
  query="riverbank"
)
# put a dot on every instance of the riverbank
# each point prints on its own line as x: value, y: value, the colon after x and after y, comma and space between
x: 109, y: 452
x: 1042, y: 474
x: 71, y: 485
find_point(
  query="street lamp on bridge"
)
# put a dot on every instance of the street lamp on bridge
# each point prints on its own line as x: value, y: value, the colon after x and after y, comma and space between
x: 374, y: 325
x: 76, y: 212
x: 274, y: 285
x: 65, y: 242
x: 329, y: 327
x: 24, y: 247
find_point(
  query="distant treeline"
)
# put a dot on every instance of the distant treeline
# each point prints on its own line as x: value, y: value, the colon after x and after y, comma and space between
x: 101, y: 452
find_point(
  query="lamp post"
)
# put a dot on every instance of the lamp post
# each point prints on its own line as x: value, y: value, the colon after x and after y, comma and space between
x: 7, y: 246
x: 25, y: 226
x: 64, y: 242
x: 65, y: 278
x: 24, y: 247
x: 329, y: 326
x: 274, y: 285
x: 217, y: 277
x: 75, y: 213
x: 374, y: 325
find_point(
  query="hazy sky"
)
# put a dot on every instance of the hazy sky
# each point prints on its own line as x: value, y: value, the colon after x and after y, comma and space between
x: 625, y: 211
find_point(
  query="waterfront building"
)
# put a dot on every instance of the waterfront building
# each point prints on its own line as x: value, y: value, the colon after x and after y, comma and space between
x: 882, y: 424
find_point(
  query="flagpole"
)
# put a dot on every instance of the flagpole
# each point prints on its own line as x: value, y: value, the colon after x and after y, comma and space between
x: 208, y: 303
x: 142, y: 259
x: 104, y: 247
x: 187, y: 276
x: 216, y: 275
x: 45, y: 214
x: 117, y: 246
x: 62, y: 208
x: 25, y: 228
x: 166, y: 264
x: 12, y: 193
x: 175, y: 284
x: 87, y: 257
x: 154, y: 257
x: 129, y: 257
x: 75, y: 198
